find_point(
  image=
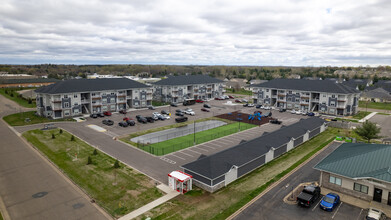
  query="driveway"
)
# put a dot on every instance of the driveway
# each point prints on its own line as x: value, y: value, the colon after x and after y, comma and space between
x: 31, y: 188
x: 272, y: 206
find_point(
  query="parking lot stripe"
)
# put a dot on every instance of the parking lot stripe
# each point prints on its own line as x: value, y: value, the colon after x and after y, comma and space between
x: 199, y: 147
x: 194, y: 151
x: 317, y: 203
x: 205, y: 145
x: 185, y: 153
x: 214, y: 144
x: 337, y: 210
x: 177, y: 156
x: 359, y: 215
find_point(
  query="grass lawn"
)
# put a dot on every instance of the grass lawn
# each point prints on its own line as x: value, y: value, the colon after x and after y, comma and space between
x: 203, y: 205
x: 1, y: 217
x: 14, y: 96
x: 157, y: 103
x: 375, y: 105
x: 179, y: 143
x: 361, y: 115
x: 18, y: 119
x: 240, y: 92
x: 118, y: 191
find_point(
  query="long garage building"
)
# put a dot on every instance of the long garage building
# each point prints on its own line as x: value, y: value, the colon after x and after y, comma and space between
x: 218, y: 170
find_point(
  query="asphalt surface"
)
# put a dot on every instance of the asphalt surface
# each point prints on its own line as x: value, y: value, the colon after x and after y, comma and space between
x: 272, y: 206
x: 384, y: 121
x: 30, y: 188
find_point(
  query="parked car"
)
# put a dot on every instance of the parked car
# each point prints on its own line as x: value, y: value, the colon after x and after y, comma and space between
x: 100, y: 114
x: 258, y: 106
x: 141, y: 119
x: 107, y: 113
x: 304, y: 113
x: 199, y: 101
x: 218, y: 98
x: 275, y: 121
x: 131, y: 122
x: 166, y: 117
x: 151, y: 107
x: 181, y: 119
x: 282, y: 110
x: 159, y: 116
x: 293, y: 111
x: 375, y: 214
x: 123, y: 124
x: 174, y: 104
x: 150, y: 119
x: 267, y: 108
x: 250, y: 105
x: 329, y: 202
x: 231, y: 97
x: 311, y: 114
x: 308, y: 196
x: 189, y: 112
x: 245, y: 104
x: 179, y: 110
x: 94, y: 115
x: 207, y: 106
x: 179, y: 114
x: 125, y: 119
x: 238, y: 101
x: 164, y: 112
x: 107, y: 122
x: 205, y: 110
x: 298, y: 112
x: 122, y: 111
x: 244, y: 100
x: 155, y: 117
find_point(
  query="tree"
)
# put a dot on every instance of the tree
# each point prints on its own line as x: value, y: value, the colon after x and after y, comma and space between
x: 60, y: 131
x: 95, y: 152
x: 368, y: 131
x: 53, y: 137
x: 116, y: 164
x: 89, y: 160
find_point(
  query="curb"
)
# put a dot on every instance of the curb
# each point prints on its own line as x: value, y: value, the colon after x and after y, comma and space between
x: 276, y: 183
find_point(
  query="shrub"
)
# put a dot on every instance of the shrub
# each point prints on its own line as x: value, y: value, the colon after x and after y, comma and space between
x: 72, y: 138
x: 95, y: 152
x: 30, y: 101
x: 89, y: 160
x: 60, y: 131
x: 53, y: 136
x: 116, y: 164
x: 12, y: 94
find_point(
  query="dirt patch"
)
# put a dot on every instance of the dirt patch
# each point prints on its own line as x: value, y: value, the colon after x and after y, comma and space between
x: 244, y: 117
x: 134, y: 193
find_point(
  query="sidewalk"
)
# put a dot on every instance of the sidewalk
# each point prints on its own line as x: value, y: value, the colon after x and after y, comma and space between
x: 368, y: 117
x: 358, y: 202
x: 170, y: 194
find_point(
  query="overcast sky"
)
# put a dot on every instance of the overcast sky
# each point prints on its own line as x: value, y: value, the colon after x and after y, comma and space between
x: 275, y: 32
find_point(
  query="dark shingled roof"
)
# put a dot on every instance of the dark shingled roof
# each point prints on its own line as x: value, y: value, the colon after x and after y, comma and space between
x: 18, y: 81
x: 308, y: 85
x: 353, y: 83
x: 359, y: 161
x: 218, y: 164
x: 377, y: 93
x: 187, y: 80
x: 88, y: 85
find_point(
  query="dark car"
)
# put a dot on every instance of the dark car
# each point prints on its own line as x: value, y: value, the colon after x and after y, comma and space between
x: 164, y: 112
x: 329, y: 202
x: 174, y: 104
x: 125, y: 119
x: 199, y: 101
x: 179, y: 114
x: 94, y: 115
x: 150, y: 119
x: 245, y: 104
x: 238, y: 101
x: 308, y: 196
x: 231, y: 97
x: 122, y: 111
x: 207, y: 106
x: 123, y: 124
x: 107, y: 113
x: 217, y: 98
x: 179, y: 110
x: 275, y: 121
x: 131, y: 122
x: 282, y: 110
x: 258, y: 106
x: 100, y: 114
x: 205, y: 110
x: 181, y: 119
x: 151, y: 107
x: 108, y: 122
x: 141, y: 119
x: 311, y: 114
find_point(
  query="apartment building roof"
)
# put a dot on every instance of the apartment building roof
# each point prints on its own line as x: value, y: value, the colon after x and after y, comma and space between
x: 358, y: 161
x: 308, y: 85
x: 219, y: 163
x: 379, y: 93
x: 89, y: 85
x: 188, y: 80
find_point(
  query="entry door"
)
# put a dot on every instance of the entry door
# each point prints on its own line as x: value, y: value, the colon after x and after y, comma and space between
x: 377, y: 194
x: 389, y: 198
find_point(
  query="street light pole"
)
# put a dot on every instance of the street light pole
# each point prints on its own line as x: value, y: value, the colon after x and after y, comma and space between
x: 194, y: 141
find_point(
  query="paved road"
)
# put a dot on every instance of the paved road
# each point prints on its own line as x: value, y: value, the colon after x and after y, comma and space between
x: 271, y: 205
x: 384, y: 121
x: 30, y: 188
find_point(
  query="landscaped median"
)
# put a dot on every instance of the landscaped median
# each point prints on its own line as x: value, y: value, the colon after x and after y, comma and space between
x: 199, y: 204
x: 117, y: 190
x: 29, y: 118
x: 179, y: 143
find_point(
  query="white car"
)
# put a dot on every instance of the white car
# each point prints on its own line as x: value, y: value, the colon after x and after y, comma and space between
x: 304, y: 113
x: 189, y: 109
x: 293, y: 111
x: 267, y: 108
x: 189, y: 113
x: 375, y: 214
x: 250, y: 105
x: 166, y: 116
x: 298, y: 112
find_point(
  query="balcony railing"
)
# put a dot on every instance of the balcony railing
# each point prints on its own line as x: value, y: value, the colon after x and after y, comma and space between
x: 56, y: 100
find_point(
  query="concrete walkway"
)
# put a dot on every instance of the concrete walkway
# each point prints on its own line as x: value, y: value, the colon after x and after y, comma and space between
x: 368, y: 117
x: 170, y: 194
x: 358, y: 202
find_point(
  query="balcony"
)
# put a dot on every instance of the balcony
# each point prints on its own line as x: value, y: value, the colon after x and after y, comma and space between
x: 56, y: 100
x: 121, y: 95
x: 96, y: 97
x: 97, y: 104
x: 83, y: 101
x: 314, y: 100
x: 281, y: 94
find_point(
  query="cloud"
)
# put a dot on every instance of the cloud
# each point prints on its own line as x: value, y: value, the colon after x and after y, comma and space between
x: 270, y: 32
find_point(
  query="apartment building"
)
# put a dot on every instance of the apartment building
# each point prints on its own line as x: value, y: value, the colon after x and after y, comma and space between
x: 85, y: 96
x: 178, y: 88
x: 323, y: 96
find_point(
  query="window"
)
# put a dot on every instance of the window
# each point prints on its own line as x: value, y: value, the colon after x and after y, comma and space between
x: 290, y: 92
x: 75, y: 96
x: 333, y: 96
x: 332, y: 103
x: 360, y: 188
x: 289, y: 99
x: 66, y: 113
x: 335, y: 180
x: 76, y: 103
x: 65, y: 96
x: 267, y: 90
x: 93, y: 94
x: 324, y: 95
x: 297, y: 100
x: 76, y: 111
x: 112, y: 100
x: 66, y: 104
x: 112, y: 108
x: 112, y: 93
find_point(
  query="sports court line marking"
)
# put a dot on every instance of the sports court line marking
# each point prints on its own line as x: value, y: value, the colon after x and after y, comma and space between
x: 337, y: 210
x: 194, y: 151
x: 177, y: 156
x: 185, y: 154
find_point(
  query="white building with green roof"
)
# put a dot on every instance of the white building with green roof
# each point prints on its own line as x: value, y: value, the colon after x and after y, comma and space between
x: 360, y: 170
